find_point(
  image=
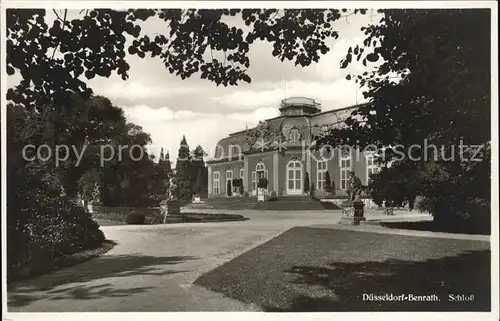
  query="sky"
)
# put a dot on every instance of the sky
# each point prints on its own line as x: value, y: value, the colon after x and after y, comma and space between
x: 168, y: 107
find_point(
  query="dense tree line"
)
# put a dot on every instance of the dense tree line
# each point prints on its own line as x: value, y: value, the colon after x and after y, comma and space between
x: 190, y: 171
x: 431, y: 87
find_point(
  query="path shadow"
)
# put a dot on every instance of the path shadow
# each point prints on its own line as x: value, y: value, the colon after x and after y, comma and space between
x: 80, y: 292
x: 65, y: 284
x: 343, y: 285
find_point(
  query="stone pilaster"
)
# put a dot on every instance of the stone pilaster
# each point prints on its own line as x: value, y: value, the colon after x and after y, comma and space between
x: 246, y: 181
x: 276, y: 170
x: 210, y: 180
x: 309, y: 164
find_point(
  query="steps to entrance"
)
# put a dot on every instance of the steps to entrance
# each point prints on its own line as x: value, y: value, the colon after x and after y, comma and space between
x: 283, y: 203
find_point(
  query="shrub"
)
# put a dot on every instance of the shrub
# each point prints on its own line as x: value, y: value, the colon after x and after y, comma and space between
x: 242, y: 189
x: 237, y: 182
x: 246, y: 194
x: 229, y: 189
x: 196, y: 189
x: 154, y: 216
x: 328, y: 183
x: 422, y: 204
x: 135, y: 217
x: 273, y: 197
x: 67, y: 230
x: 262, y: 182
x: 306, y: 183
x: 43, y: 225
x: 312, y: 189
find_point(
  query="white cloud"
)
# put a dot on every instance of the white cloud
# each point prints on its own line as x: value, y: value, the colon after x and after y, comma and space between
x: 332, y: 94
x: 250, y: 99
x: 134, y: 90
x: 253, y: 118
x: 167, y: 127
x: 328, y: 67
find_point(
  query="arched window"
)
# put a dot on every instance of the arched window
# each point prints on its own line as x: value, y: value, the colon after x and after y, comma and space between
x: 294, y: 135
x: 235, y: 150
x: 260, y: 171
x: 260, y: 167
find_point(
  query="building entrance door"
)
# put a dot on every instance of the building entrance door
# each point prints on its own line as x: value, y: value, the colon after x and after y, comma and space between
x: 294, y: 178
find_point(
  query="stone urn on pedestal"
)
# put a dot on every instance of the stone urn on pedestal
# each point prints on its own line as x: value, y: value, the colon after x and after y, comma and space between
x: 353, y: 208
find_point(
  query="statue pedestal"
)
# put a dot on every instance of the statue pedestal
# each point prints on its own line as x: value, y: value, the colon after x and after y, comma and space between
x: 173, y: 207
x: 260, y: 195
x: 163, y: 207
x: 352, y: 212
x: 93, y: 206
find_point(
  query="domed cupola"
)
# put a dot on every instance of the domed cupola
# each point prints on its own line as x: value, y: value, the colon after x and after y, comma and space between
x: 299, y: 106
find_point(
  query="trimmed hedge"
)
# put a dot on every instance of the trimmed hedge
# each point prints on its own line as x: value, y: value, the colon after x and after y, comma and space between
x: 119, y: 214
x: 273, y: 197
x: 154, y: 216
x: 237, y: 182
x: 135, y: 217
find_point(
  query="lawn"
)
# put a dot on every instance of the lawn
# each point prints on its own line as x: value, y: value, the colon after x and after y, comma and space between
x: 309, y: 269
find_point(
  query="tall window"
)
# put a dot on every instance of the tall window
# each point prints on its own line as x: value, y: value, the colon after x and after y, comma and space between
x: 260, y: 172
x: 216, y: 181
x: 345, y: 168
x: 371, y: 166
x: 294, y: 135
x: 322, y: 168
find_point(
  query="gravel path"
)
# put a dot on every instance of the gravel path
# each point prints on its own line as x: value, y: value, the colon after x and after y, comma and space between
x: 152, y: 268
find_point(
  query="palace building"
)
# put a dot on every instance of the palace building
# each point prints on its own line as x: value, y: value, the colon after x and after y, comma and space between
x: 279, y: 149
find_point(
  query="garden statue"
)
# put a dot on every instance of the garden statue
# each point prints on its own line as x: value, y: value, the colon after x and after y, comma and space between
x: 95, y: 199
x: 173, y: 204
x: 96, y: 194
x: 172, y: 189
x: 81, y: 200
x: 354, y: 187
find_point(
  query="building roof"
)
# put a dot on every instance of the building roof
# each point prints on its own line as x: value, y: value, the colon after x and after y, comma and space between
x: 225, y: 146
x: 307, y: 105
